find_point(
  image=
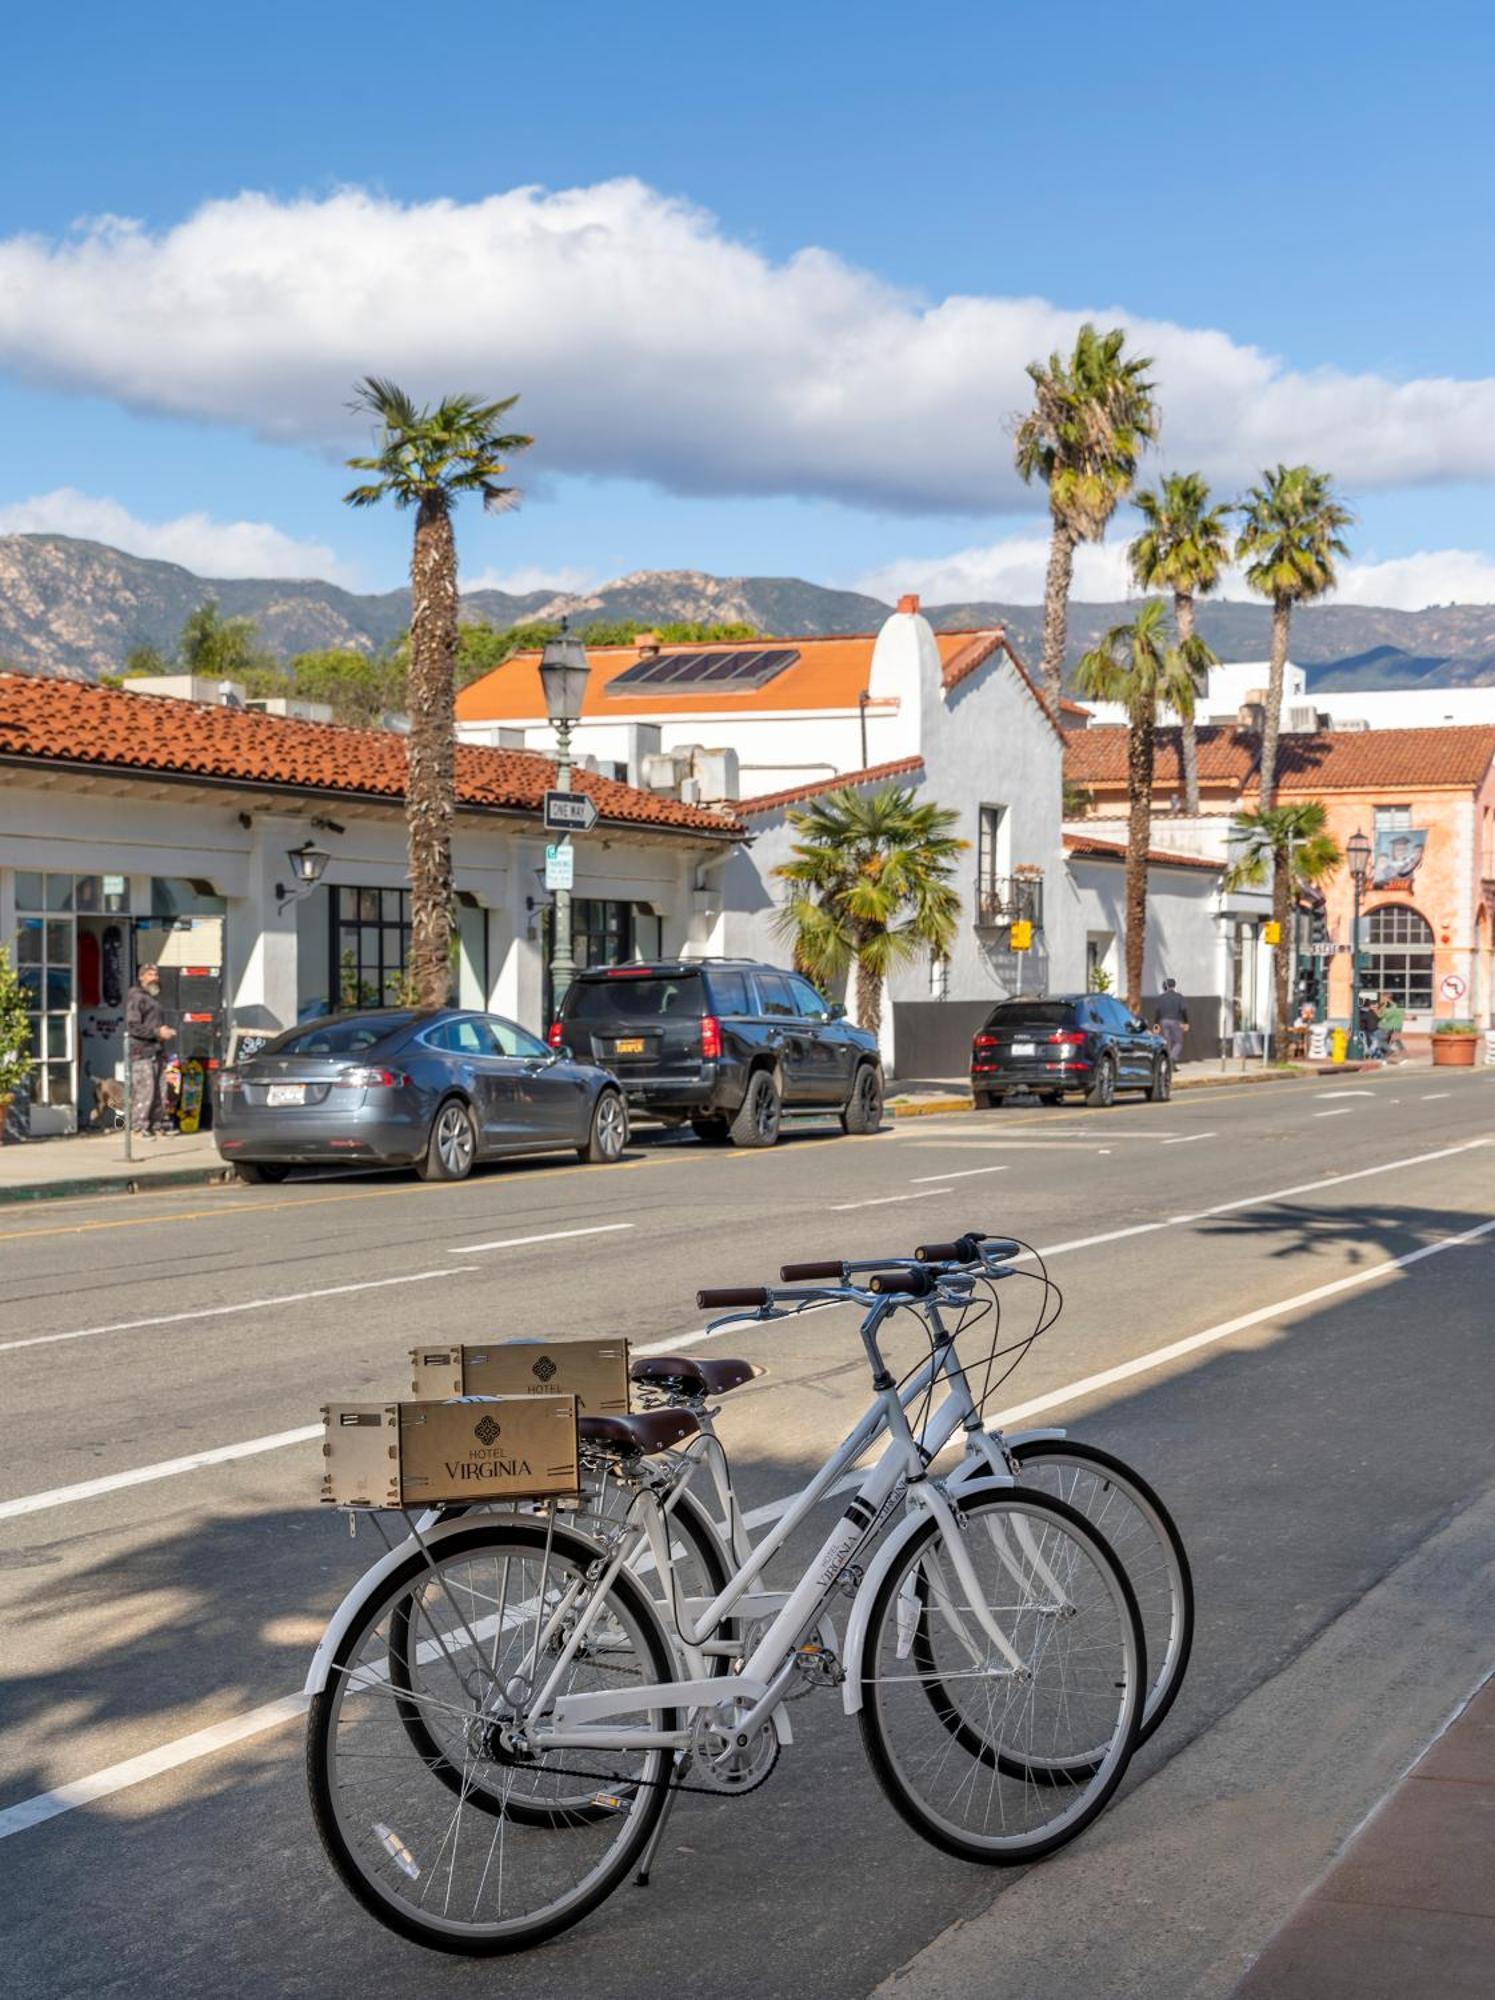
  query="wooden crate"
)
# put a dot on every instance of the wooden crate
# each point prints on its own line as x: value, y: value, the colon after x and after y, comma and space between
x: 429, y: 1454
x: 595, y: 1372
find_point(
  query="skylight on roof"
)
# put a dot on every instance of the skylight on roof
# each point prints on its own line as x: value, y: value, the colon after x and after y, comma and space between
x: 739, y: 672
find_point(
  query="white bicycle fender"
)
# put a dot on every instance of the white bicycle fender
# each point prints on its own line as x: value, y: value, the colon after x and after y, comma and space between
x: 882, y: 1562
x: 1034, y: 1437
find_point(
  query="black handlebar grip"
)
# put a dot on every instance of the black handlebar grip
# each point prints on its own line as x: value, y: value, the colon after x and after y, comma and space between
x: 829, y: 1267
x: 967, y: 1249
x: 917, y: 1284
x: 941, y: 1253
x: 996, y: 1246
x: 733, y: 1295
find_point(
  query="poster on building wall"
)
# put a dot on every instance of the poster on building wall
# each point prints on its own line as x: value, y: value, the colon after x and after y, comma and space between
x: 1398, y: 856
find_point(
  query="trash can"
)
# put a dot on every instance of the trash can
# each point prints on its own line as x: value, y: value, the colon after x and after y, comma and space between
x: 1339, y: 1042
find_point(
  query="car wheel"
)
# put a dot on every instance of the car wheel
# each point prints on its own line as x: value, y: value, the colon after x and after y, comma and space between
x: 1102, y: 1092
x: 757, y: 1123
x: 986, y: 1100
x: 1050, y: 1096
x: 609, y: 1132
x: 711, y: 1131
x: 254, y: 1173
x: 452, y: 1146
x: 1161, y: 1088
x: 863, y: 1112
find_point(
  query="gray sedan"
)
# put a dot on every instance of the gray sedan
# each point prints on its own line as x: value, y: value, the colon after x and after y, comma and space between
x: 396, y: 1087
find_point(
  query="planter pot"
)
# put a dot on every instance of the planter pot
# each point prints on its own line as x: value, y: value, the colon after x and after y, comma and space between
x: 1454, y: 1051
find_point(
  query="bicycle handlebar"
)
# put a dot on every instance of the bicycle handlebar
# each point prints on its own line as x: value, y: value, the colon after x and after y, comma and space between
x: 735, y: 1295
x: 830, y: 1267
x: 971, y: 1248
x: 914, y: 1284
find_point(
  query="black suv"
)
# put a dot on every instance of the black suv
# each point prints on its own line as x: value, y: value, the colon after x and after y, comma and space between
x: 724, y: 1042
x: 1068, y: 1043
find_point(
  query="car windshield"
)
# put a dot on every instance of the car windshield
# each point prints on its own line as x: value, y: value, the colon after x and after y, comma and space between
x: 1031, y: 1014
x: 344, y: 1035
x: 653, y: 996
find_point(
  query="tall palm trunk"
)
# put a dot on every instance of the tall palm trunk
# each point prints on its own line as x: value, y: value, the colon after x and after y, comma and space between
x: 430, y: 752
x: 1056, y: 611
x: 1282, y: 915
x: 1183, y: 614
x: 869, y: 993
x: 1141, y: 749
x: 1282, y: 618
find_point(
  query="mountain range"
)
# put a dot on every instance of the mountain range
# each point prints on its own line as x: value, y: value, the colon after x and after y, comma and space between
x: 77, y: 608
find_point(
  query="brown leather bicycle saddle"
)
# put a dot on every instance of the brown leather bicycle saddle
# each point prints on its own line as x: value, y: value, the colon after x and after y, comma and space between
x: 694, y: 1374
x: 646, y: 1431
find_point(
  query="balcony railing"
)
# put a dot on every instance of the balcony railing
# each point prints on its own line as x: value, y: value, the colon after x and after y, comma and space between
x: 1001, y: 900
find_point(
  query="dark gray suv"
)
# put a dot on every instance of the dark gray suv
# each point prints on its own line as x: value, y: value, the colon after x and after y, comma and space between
x: 727, y: 1044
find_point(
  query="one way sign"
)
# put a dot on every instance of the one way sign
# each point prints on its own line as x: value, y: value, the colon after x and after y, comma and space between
x: 569, y: 812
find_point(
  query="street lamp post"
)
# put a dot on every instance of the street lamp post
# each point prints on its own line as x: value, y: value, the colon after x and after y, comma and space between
x: 1357, y: 853
x: 563, y: 675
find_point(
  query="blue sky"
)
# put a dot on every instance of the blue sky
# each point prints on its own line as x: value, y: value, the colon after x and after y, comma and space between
x: 1293, y: 206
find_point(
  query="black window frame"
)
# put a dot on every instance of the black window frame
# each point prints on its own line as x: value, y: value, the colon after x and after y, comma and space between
x: 390, y: 936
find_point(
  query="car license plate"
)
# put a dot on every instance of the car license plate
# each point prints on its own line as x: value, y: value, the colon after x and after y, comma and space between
x: 632, y: 1045
x: 1024, y: 1049
x: 286, y: 1093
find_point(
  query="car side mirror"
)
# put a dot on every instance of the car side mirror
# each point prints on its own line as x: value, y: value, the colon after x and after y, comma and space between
x: 836, y: 1011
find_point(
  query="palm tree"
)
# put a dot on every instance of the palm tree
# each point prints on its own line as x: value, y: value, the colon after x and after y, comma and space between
x: 1290, y: 534
x: 427, y: 459
x: 1290, y: 845
x: 1183, y: 548
x: 870, y: 887
x: 1135, y: 665
x: 1093, y: 414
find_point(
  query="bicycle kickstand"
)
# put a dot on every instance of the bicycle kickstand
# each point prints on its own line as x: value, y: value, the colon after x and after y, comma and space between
x: 646, y: 1861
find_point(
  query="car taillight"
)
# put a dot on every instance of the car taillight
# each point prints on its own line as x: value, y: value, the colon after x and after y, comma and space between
x: 984, y: 1042
x: 1068, y: 1038
x: 711, y: 1036
x: 228, y: 1082
x: 372, y: 1079
x: 554, y: 1037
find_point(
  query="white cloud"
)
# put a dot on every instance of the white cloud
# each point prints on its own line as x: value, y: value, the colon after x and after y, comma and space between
x: 1408, y: 583
x: 649, y: 343
x: 533, y: 576
x: 199, y: 543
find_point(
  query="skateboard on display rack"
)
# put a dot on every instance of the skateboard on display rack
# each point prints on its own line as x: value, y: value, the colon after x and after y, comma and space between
x: 88, y: 969
x: 189, y: 1105
x: 114, y: 951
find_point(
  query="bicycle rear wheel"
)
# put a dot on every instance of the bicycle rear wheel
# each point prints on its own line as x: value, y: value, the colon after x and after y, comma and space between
x: 995, y: 1761
x: 448, y: 1870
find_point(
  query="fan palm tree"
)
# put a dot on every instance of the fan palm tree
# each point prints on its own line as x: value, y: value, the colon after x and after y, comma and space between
x: 1093, y: 415
x: 1137, y: 666
x: 428, y: 458
x: 1289, y: 845
x: 1183, y: 547
x: 1291, y: 531
x: 870, y: 888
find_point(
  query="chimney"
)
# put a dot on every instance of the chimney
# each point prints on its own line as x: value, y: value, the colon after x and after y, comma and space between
x: 909, y: 602
x: 647, y: 644
x: 1252, y: 715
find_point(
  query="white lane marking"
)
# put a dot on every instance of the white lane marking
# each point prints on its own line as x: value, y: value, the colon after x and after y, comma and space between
x: 883, y: 1200
x: 1432, y: 1096
x: 220, y: 1312
x: 1342, y: 1092
x: 1189, y: 1139
x: 1343, y: 1112
x: 204, y: 1742
x: 965, y: 1174
x: 141, y: 1475
x: 550, y: 1236
x: 32, y: 1503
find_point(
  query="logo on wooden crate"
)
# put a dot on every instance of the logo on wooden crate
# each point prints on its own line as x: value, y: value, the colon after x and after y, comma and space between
x: 485, y: 1430
x: 544, y: 1369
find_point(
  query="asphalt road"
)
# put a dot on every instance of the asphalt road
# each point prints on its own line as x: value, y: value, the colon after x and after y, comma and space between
x: 1334, y: 1411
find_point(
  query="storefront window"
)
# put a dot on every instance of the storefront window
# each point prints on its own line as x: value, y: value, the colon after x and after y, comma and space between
x: 45, y: 961
x: 370, y: 942
x: 1398, y: 956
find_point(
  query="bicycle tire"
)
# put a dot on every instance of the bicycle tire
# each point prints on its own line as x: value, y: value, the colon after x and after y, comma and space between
x: 639, y: 1811
x: 1091, y: 1792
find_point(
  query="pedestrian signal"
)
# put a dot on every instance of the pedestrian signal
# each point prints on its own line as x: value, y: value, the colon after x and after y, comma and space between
x: 1022, y: 935
x: 1271, y: 933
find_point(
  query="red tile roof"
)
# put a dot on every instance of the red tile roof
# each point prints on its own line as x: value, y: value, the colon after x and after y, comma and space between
x: 901, y: 767
x: 1333, y: 760
x: 1084, y: 847
x: 56, y: 722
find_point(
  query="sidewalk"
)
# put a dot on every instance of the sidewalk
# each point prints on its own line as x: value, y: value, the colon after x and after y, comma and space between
x: 95, y: 1163
x: 1409, y: 1907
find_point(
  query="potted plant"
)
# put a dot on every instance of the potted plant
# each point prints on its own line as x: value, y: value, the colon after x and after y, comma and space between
x: 15, y: 1038
x: 1454, y: 1044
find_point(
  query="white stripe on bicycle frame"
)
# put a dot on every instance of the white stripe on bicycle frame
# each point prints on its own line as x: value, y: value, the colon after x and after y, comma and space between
x: 169, y: 1756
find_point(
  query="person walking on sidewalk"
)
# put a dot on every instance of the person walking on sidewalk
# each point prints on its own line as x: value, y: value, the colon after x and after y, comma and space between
x: 1172, y: 1018
x: 146, y: 1035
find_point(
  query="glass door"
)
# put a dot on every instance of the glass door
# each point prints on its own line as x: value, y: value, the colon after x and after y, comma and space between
x: 46, y: 961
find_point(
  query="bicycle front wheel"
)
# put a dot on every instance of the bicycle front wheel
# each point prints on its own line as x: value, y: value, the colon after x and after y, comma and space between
x: 1002, y: 1752
x: 495, y: 1863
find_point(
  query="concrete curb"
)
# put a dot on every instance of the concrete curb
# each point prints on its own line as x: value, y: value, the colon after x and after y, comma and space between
x: 115, y: 1184
x: 927, y: 1107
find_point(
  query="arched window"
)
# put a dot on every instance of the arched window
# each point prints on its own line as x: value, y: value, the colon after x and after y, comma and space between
x: 1398, y: 956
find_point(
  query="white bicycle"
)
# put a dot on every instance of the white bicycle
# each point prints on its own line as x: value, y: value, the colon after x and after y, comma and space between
x: 993, y: 1654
